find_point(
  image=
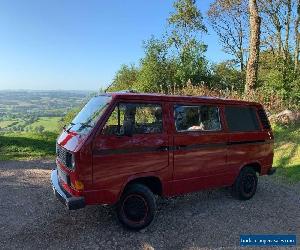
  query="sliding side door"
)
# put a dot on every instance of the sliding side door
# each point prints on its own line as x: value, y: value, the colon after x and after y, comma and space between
x: 200, y: 147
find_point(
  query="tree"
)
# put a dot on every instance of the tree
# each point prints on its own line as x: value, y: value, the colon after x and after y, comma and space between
x: 287, y: 29
x: 229, y: 19
x: 297, y: 37
x: 186, y: 27
x: 125, y: 78
x: 173, y: 60
x: 186, y: 24
x: 272, y: 13
x: 252, y: 66
x: 227, y: 77
x: 277, y: 17
x: 157, y: 70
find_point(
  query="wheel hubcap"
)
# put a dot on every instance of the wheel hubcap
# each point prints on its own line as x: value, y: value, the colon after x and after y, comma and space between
x: 249, y: 184
x: 135, y: 208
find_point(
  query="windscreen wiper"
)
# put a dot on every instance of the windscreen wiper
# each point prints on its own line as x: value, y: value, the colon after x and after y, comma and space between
x: 85, y: 125
x: 70, y: 126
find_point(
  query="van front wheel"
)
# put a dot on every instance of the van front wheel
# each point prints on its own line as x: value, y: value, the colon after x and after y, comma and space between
x: 245, y: 185
x: 136, y: 208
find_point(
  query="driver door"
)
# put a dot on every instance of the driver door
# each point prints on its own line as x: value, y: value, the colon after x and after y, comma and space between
x: 132, y: 142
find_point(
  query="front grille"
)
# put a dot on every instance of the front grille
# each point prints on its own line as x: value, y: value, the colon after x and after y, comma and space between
x: 64, y: 156
x: 264, y: 119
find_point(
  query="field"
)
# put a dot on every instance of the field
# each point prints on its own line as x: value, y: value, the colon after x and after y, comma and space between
x: 29, y: 121
x: 36, y: 111
x: 8, y: 123
x: 49, y: 123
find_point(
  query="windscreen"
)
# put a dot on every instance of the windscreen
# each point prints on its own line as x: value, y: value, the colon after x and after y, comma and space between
x: 86, y: 119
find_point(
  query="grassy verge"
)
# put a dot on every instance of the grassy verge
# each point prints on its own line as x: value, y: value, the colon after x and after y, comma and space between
x: 19, y: 146
x: 287, y: 152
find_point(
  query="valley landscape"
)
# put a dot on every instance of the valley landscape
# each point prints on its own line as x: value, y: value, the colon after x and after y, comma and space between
x: 36, y: 111
x: 30, y: 121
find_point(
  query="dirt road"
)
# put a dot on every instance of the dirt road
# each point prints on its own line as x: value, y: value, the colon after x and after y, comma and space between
x: 31, y: 218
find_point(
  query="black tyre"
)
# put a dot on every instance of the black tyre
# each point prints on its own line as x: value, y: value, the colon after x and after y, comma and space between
x: 245, y: 184
x: 136, y: 208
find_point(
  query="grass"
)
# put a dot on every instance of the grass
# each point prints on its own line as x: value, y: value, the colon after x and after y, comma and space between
x: 49, y: 123
x: 287, y: 152
x: 20, y: 146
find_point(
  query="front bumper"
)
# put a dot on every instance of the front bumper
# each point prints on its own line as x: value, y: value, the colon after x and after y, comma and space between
x: 71, y: 202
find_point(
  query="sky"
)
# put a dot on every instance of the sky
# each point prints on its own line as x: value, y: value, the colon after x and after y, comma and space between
x: 79, y: 45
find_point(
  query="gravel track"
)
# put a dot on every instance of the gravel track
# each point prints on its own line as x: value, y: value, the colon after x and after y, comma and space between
x: 31, y: 218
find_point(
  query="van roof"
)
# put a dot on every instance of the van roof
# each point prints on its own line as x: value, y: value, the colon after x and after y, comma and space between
x: 177, y: 98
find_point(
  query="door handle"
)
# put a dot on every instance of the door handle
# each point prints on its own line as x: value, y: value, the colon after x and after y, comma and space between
x: 163, y: 148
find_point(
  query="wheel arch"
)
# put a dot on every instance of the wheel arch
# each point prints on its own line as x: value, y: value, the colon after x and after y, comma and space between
x: 255, y: 165
x: 152, y: 182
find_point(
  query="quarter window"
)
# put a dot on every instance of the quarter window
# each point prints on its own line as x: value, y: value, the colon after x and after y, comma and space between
x: 241, y: 119
x: 197, y: 118
x: 135, y: 119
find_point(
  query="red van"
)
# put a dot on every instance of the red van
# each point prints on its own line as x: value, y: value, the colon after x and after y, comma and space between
x: 124, y: 148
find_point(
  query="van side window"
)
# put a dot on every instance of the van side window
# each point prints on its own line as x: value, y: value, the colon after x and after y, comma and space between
x: 197, y: 118
x: 241, y: 119
x: 133, y: 118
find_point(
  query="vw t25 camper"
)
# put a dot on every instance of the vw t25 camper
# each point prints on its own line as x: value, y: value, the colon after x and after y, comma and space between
x: 125, y: 148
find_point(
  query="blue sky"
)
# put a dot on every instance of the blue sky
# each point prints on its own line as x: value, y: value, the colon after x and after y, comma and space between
x: 72, y: 44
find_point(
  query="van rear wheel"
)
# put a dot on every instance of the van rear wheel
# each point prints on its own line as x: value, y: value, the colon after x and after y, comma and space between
x: 136, y: 208
x: 245, y: 185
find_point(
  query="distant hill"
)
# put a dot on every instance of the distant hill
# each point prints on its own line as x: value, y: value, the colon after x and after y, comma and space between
x: 22, y: 102
x: 19, y: 109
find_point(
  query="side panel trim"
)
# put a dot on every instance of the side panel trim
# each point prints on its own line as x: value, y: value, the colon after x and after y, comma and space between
x: 170, y: 148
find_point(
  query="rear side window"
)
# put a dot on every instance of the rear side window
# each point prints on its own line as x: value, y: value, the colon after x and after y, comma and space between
x: 264, y: 119
x: 196, y: 118
x: 241, y: 119
x: 139, y: 118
